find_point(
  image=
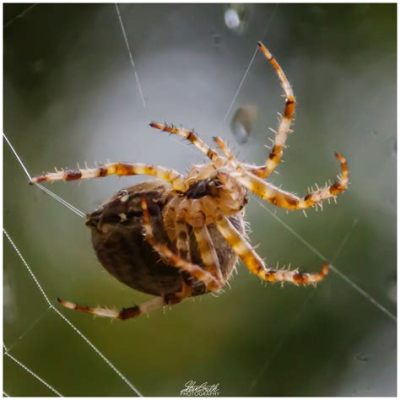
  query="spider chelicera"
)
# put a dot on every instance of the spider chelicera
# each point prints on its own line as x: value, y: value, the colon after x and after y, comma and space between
x: 180, y: 236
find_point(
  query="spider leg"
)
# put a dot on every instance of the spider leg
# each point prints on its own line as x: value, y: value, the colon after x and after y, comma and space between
x: 191, y: 136
x: 256, y: 265
x: 204, y: 243
x: 173, y: 259
x: 281, y: 198
x: 182, y: 239
x: 118, y: 168
x: 125, y: 313
x: 224, y: 148
x: 131, y: 312
x: 207, y: 252
x: 281, y: 135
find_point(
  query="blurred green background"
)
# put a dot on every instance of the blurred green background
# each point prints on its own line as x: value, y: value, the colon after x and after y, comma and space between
x: 70, y: 96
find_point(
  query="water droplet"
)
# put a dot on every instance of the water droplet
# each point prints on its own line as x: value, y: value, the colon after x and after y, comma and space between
x: 243, y: 121
x: 232, y: 19
x: 236, y: 17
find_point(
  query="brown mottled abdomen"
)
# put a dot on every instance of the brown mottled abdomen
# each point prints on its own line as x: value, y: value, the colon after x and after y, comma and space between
x: 117, y: 236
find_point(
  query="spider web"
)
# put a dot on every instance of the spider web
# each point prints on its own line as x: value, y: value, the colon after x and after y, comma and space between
x: 264, y: 366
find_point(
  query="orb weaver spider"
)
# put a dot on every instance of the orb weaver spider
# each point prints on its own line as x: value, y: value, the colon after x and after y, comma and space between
x: 181, y: 236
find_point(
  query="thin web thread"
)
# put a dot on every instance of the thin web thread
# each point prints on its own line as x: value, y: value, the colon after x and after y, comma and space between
x: 240, y: 85
x: 357, y: 288
x: 30, y: 372
x: 20, y: 15
x: 264, y: 368
x: 17, y: 157
x: 247, y: 70
x: 30, y: 328
x: 41, y: 187
x: 345, y: 240
x: 136, y: 74
x: 361, y: 291
x: 130, y: 56
x: 280, y: 344
x: 59, y: 199
x: 76, y: 330
x: 75, y: 210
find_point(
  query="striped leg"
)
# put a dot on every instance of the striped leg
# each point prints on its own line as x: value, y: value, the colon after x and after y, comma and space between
x: 131, y: 312
x: 125, y: 313
x: 224, y: 148
x: 207, y: 252
x: 256, y: 265
x: 182, y: 239
x: 174, y: 260
x: 283, y: 199
x: 284, y: 126
x: 191, y: 136
x: 118, y: 168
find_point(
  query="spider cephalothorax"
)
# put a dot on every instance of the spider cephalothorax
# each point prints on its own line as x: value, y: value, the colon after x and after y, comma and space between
x: 206, y: 192
x: 193, y: 225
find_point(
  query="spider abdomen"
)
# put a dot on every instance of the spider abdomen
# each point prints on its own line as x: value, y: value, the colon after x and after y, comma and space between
x: 117, y: 236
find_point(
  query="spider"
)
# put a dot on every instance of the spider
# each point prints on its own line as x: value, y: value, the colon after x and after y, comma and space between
x: 179, y: 236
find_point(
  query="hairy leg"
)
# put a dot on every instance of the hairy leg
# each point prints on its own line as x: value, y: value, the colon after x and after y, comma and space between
x: 224, y: 148
x: 281, y: 198
x: 131, y: 312
x: 173, y: 259
x: 182, y: 239
x: 207, y: 252
x: 283, y: 130
x: 118, y: 168
x: 191, y: 136
x: 256, y: 265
